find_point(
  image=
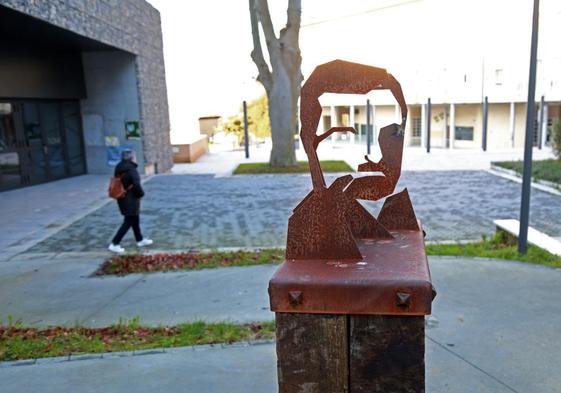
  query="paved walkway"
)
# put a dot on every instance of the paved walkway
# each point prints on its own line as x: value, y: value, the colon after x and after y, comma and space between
x: 36, y: 213
x: 222, y: 162
x: 183, y: 211
x: 32, y: 214
x: 495, y: 326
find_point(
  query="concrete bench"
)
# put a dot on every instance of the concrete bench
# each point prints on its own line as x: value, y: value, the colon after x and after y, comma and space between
x: 535, y: 237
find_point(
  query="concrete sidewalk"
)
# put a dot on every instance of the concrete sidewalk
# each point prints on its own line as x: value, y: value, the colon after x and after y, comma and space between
x: 32, y: 214
x: 43, y: 290
x: 232, y: 369
x: 494, y: 328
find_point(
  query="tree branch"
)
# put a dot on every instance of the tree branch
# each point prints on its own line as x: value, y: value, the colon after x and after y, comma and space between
x: 289, y: 37
x: 293, y: 15
x: 267, y: 24
x: 257, y: 53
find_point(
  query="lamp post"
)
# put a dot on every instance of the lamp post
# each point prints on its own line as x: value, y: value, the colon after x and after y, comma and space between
x: 368, y: 137
x: 245, y: 130
x: 530, y: 116
x: 429, y: 114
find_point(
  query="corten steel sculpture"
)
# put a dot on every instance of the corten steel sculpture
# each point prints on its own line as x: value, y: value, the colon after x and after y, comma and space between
x: 351, y: 296
x: 328, y: 222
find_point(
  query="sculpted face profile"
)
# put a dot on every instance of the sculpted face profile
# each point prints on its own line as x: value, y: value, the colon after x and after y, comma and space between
x: 329, y: 221
x: 353, y: 289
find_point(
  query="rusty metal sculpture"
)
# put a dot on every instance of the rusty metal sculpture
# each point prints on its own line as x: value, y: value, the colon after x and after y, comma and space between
x: 330, y: 220
x: 351, y: 296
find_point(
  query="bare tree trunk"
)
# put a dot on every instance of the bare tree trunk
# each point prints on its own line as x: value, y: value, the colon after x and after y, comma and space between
x: 282, y: 84
x: 282, y: 112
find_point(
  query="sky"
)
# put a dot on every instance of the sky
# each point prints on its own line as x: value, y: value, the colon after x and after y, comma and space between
x: 207, y: 44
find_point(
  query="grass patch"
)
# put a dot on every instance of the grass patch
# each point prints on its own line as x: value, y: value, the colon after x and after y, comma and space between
x: 301, y: 167
x: 137, y: 263
x: 499, y: 246
x: 549, y: 170
x: 17, y: 342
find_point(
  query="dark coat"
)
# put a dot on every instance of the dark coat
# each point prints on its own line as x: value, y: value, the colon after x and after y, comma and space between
x: 130, y: 204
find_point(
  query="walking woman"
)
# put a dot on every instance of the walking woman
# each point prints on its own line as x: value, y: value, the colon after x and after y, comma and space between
x: 130, y: 204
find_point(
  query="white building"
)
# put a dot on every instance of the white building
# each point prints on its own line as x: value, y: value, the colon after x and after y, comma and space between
x: 454, y: 52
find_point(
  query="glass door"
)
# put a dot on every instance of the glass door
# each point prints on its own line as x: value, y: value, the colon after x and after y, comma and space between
x: 10, y: 144
x: 39, y: 141
x: 53, y: 140
x: 72, y: 125
x: 36, y: 167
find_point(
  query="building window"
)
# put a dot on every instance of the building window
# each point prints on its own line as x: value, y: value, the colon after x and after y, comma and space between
x: 498, y: 76
x: 415, y: 131
x: 463, y: 134
x: 536, y: 130
x: 345, y: 120
x: 361, y: 136
x: 416, y: 127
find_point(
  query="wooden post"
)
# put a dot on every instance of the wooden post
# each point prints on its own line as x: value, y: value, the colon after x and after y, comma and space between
x: 312, y: 352
x: 350, y: 353
x: 387, y: 353
x: 354, y: 327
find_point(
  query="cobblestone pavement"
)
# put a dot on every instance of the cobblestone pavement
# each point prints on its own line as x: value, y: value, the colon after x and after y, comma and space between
x: 201, y: 211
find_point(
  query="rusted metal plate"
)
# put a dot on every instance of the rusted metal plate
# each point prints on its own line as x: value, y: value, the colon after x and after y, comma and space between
x: 338, y: 76
x: 329, y: 222
x: 391, y: 278
x: 398, y: 213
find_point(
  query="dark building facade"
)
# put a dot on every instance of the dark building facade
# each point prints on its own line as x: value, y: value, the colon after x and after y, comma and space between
x: 79, y: 80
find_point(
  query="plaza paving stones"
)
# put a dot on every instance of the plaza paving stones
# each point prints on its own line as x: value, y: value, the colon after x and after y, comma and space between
x: 494, y: 328
x: 202, y: 211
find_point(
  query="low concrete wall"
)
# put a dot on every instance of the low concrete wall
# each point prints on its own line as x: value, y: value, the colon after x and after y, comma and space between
x: 190, y: 152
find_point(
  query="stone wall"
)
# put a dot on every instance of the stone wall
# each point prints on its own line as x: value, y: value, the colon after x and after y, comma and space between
x: 130, y: 25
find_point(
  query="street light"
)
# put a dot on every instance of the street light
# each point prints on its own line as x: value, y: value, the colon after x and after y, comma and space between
x: 530, y: 116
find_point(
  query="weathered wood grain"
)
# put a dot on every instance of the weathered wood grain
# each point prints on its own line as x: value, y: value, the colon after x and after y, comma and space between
x: 387, y: 354
x: 312, y: 353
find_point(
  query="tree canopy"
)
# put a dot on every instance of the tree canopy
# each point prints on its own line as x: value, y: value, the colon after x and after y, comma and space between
x: 258, y: 120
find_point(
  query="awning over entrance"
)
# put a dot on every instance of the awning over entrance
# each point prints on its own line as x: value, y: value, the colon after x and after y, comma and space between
x: 39, y: 60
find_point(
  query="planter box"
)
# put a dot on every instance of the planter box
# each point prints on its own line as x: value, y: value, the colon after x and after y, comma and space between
x: 190, y: 152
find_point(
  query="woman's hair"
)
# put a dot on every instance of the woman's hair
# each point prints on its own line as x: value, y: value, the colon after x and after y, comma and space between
x: 128, y: 154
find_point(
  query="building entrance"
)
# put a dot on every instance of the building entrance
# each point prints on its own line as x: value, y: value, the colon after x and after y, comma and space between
x: 39, y: 141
